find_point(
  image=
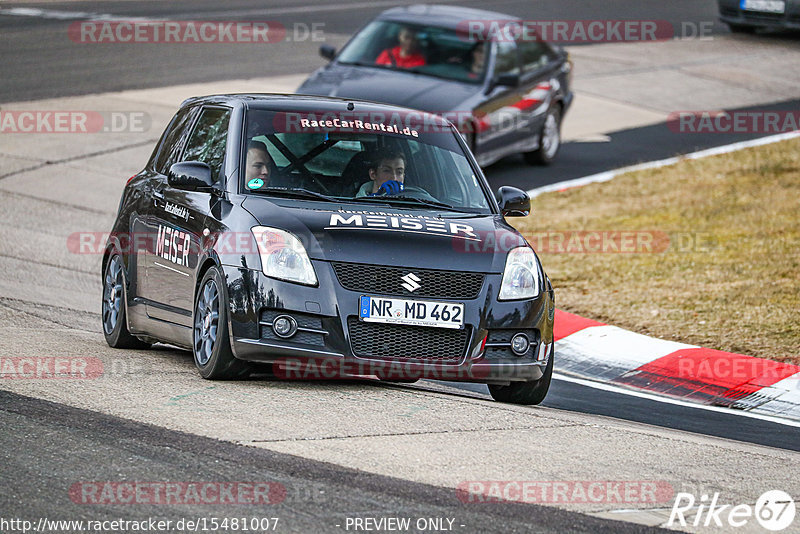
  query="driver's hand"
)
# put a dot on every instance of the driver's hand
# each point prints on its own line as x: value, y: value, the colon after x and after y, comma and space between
x: 389, y: 187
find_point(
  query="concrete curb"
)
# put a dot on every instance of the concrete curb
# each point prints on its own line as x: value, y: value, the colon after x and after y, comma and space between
x: 604, y: 353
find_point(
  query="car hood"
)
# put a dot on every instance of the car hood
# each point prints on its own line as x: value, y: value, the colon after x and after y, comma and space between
x: 407, y: 89
x: 381, y: 235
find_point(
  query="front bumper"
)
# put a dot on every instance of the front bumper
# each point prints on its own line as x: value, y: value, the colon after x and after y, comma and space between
x: 731, y: 13
x: 332, y: 343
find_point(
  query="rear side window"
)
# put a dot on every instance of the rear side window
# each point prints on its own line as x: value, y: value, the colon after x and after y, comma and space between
x: 173, y: 139
x: 208, y: 139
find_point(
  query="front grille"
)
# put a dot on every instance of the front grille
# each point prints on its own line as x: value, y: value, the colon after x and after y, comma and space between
x: 407, y: 343
x: 388, y: 281
x: 758, y: 16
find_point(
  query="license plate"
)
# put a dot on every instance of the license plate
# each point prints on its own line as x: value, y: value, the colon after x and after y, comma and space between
x: 764, y: 6
x: 411, y: 312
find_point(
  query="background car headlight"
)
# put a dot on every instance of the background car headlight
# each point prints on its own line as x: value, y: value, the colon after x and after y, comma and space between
x: 521, y: 278
x: 283, y: 256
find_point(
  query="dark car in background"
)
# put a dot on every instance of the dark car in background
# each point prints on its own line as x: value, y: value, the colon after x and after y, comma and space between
x: 510, y: 101
x: 746, y: 16
x: 252, y: 235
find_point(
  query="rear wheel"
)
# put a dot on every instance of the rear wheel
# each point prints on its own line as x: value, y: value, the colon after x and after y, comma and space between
x: 211, y: 344
x: 115, y: 325
x: 549, y: 139
x: 528, y: 393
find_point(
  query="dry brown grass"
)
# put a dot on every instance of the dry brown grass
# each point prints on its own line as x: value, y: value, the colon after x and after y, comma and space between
x: 730, y: 277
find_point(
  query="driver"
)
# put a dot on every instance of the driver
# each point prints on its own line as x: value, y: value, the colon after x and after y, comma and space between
x: 387, y: 171
x: 259, y: 166
x: 406, y: 54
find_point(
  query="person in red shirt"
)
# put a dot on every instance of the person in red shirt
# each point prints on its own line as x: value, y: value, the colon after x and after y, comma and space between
x: 405, y: 55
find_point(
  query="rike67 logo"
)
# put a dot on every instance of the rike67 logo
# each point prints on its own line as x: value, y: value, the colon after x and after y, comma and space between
x: 774, y: 510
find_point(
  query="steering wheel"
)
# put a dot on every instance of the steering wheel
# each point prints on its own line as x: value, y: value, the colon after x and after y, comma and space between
x: 414, y: 191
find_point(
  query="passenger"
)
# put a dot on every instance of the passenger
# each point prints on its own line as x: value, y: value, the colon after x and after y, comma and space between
x: 387, y: 171
x: 259, y: 166
x: 478, y: 57
x: 405, y: 55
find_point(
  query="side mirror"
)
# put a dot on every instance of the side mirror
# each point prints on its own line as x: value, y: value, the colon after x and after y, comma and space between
x: 513, y: 202
x: 327, y: 51
x: 509, y: 80
x: 190, y: 176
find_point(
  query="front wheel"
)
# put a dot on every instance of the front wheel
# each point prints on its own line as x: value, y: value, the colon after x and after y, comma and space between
x: 115, y: 325
x: 528, y: 393
x: 211, y: 344
x: 549, y: 139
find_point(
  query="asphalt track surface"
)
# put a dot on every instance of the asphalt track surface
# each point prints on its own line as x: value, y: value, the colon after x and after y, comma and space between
x: 66, y: 445
x: 63, y: 444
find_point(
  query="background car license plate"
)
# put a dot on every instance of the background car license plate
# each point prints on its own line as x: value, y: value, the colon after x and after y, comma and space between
x: 412, y: 312
x: 765, y: 6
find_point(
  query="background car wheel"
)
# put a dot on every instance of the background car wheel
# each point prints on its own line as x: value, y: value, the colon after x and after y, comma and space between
x: 549, y: 139
x: 741, y: 28
x: 525, y: 392
x: 115, y: 325
x: 211, y: 344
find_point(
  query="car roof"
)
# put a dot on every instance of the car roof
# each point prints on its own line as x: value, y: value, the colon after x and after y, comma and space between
x: 308, y: 104
x: 440, y: 15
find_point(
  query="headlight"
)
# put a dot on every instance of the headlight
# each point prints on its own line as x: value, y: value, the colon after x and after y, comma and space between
x: 283, y: 256
x: 521, y: 279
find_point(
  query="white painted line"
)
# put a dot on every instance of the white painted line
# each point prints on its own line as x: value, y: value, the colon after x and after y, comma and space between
x: 66, y: 15
x: 608, y: 175
x: 667, y: 400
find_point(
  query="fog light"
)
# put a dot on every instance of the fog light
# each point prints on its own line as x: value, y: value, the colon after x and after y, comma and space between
x: 284, y: 326
x: 520, y: 344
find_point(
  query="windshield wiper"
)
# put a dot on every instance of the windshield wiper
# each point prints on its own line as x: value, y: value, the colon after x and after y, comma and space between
x: 403, y: 198
x: 295, y: 192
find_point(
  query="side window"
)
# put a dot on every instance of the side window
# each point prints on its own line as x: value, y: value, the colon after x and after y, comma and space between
x: 172, y: 140
x: 533, y: 55
x: 506, y: 58
x: 207, y: 142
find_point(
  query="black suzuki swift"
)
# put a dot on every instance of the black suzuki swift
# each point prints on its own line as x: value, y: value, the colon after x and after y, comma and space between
x: 329, y: 238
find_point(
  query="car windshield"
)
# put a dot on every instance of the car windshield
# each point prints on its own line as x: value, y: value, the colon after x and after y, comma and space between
x: 430, y: 50
x: 402, y: 159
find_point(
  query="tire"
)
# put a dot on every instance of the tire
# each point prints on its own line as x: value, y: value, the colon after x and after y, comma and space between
x: 741, y: 28
x: 549, y: 139
x: 113, y: 311
x: 528, y: 393
x: 211, y: 345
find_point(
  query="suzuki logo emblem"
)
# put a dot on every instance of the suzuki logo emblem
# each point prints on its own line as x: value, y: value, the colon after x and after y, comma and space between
x: 410, y: 282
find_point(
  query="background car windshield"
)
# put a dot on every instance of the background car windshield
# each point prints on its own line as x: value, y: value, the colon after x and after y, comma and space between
x: 309, y: 151
x: 442, y: 52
